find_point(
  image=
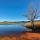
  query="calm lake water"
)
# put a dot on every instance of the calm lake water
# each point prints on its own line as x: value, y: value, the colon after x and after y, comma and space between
x: 10, y: 29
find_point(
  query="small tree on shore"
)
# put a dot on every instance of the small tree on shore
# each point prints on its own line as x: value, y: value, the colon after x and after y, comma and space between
x: 33, y: 14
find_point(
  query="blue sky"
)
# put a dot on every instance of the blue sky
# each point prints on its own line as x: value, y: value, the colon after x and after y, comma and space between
x: 12, y: 10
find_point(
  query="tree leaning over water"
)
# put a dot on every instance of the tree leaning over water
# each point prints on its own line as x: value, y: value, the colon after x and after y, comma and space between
x: 32, y: 15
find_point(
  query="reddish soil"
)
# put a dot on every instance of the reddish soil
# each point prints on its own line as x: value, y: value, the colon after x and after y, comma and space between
x: 22, y: 36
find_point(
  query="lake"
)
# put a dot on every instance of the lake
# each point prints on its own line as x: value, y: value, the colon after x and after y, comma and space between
x: 12, y: 29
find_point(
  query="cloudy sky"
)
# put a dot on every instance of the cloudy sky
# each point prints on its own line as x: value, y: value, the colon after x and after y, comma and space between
x: 12, y: 10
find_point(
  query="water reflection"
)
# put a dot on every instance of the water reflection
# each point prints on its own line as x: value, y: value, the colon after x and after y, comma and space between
x: 10, y: 29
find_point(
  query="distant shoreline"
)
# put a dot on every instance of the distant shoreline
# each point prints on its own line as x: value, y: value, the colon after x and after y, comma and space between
x: 26, y: 23
x: 7, y: 22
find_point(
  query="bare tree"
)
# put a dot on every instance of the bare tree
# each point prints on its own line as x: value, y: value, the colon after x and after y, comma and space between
x: 33, y: 14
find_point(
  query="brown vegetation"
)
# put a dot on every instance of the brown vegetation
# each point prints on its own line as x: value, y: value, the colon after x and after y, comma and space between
x: 36, y: 23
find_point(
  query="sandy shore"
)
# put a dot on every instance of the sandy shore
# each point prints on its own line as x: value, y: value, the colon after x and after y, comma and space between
x: 23, y: 36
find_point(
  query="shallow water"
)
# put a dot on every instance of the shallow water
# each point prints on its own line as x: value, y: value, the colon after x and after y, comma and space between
x: 10, y: 29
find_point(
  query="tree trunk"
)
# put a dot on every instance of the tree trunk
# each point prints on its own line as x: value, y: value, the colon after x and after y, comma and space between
x: 33, y: 26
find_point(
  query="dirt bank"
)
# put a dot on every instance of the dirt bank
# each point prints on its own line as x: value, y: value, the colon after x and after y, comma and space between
x: 23, y: 36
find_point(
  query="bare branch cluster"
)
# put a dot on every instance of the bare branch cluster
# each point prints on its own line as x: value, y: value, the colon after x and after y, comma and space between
x: 33, y: 14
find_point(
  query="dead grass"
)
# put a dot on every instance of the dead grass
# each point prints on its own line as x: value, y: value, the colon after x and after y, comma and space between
x: 36, y: 23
